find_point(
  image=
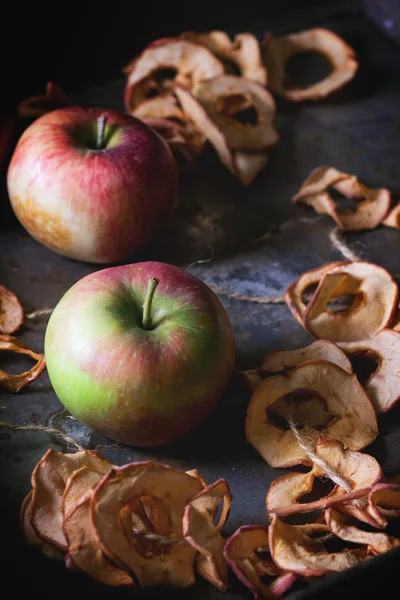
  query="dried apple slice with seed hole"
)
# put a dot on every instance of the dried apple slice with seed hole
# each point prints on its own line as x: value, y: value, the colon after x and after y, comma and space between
x: 53, y: 98
x: 246, y: 552
x: 318, y: 394
x: 375, y: 302
x: 84, y: 551
x: 383, y: 383
x: 203, y: 535
x: 15, y: 383
x: 33, y: 539
x: 278, y: 50
x: 244, y: 51
x: 175, y: 60
x: 345, y: 529
x: 11, y: 311
x: 174, y: 566
x: 384, y: 500
x: 294, y: 548
x: 359, y: 471
x: 49, y: 480
x: 371, y: 205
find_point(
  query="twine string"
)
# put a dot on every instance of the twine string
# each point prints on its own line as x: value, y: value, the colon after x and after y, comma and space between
x: 51, y: 430
x: 334, y: 237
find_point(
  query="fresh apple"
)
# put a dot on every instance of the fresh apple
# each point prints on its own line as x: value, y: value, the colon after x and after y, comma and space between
x: 91, y: 184
x: 140, y: 353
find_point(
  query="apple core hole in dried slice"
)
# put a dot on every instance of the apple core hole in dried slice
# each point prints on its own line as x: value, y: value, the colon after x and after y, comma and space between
x: 14, y: 363
x: 364, y: 365
x: 322, y: 486
x: 307, y: 68
x: 305, y: 407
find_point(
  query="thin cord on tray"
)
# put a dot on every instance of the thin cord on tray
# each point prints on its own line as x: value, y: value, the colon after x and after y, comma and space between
x: 341, y: 246
x: 30, y: 427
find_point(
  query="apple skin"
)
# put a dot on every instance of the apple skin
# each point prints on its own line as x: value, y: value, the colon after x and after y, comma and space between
x: 93, y: 205
x: 140, y: 387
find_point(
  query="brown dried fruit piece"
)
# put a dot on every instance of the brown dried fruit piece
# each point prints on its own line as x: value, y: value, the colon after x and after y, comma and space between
x: 293, y: 548
x: 201, y: 533
x: 359, y: 471
x: 375, y: 302
x: 240, y: 552
x: 173, y: 564
x: 11, y: 311
x: 181, y: 139
x: 384, y: 500
x: 284, y: 360
x: 371, y: 207
x: 33, y: 539
x: 190, y: 65
x: 318, y: 394
x: 296, y: 290
x: 84, y: 551
x: 49, y: 480
x: 53, y: 98
x: 15, y: 383
x: 278, y: 50
x: 393, y: 218
x: 344, y: 528
x: 383, y: 385
x: 244, y: 50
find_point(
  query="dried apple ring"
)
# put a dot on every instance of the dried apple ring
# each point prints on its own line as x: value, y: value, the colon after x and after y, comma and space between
x: 393, y: 218
x: 15, y: 383
x: 191, y: 64
x: 174, y: 566
x: 244, y: 50
x: 11, y: 311
x: 284, y: 360
x: 240, y: 552
x: 375, y: 302
x: 277, y: 51
x: 225, y: 97
x: 318, y: 394
x: 372, y: 204
x: 53, y: 98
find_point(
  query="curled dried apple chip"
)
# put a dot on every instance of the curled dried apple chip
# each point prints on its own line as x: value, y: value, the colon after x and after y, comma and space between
x: 11, y: 311
x: 244, y: 51
x: 344, y: 528
x: 15, y: 383
x: 182, y: 139
x: 242, y: 553
x: 201, y: 533
x: 227, y: 98
x: 371, y: 206
x: 383, y: 385
x: 173, y: 564
x: 284, y: 360
x: 49, y: 480
x: 278, y: 50
x: 53, y: 98
x: 84, y: 551
x: 384, y: 500
x: 31, y: 536
x: 317, y: 394
x: 358, y: 471
x: 166, y: 61
x: 294, y: 548
x: 375, y: 297
x: 393, y: 217
x: 294, y: 295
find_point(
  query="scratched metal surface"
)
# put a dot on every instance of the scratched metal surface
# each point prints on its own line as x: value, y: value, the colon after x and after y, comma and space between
x: 356, y: 130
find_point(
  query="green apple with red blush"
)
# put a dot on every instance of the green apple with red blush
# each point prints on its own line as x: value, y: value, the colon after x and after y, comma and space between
x: 141, y: 353
x: 92, y: 184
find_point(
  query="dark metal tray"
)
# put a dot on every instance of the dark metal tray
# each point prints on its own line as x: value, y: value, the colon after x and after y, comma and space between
x: 257, y: 242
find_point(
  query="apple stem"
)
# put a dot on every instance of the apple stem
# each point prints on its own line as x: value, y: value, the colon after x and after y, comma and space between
x: 151, y: 288
x: 101, y: 126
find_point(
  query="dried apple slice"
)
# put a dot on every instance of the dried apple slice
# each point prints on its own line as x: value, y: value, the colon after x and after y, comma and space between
x: 174, y: 566
x: 53, y: 98
x: 244, y: 50
x: 294, y: 549
x: 190, y: 63
x: 83, y: 549
x: 33, y: 539
x: 49, y: 479
x: 372, y: 204
x: 201, y: 533
x: 383, y: 386
x: 184, y: 140
x: 375, y: 302
x: 240, y: 552
x: 360, y: 472
x: 384, y: 500
x: 248, y: 165
x: 278, y: 50
x: 15, y: 383
x: 252, y: 378
x: 345, y: 529
x: 393, y: 218
x: 318, y: 394
x: 284, y: 360
x: 296, y: 290
x: 225, y: 97
x: 11, y: 311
